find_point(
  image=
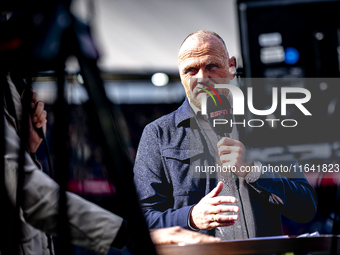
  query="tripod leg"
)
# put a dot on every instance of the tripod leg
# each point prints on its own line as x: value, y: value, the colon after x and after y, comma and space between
x: 115, y: 154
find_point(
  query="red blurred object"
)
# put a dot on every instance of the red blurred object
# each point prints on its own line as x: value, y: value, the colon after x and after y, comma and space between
x: 11, y: 45
x: 91, y: 187
x: 329, y: 180
x: 324, y: 180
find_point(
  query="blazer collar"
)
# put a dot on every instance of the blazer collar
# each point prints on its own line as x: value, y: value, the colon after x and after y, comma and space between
x: 184, y: 113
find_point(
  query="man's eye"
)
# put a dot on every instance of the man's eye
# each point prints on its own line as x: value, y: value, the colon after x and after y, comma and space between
x: 191, y: 70
x: 211, y: 66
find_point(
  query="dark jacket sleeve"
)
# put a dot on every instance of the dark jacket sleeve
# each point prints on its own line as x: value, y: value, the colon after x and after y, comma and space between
x: 298, y: 196
x: 154, y: 186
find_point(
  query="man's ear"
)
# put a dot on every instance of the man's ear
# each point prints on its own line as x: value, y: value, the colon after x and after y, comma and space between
x: 232, y: 68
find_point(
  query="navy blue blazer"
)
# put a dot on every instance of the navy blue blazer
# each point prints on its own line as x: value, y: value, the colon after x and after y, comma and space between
x: 169, y: 150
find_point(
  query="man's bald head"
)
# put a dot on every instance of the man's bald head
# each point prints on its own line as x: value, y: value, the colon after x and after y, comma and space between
x: 204, y: 35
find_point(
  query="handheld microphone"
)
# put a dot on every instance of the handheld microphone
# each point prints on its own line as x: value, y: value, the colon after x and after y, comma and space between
x: 220, y: 115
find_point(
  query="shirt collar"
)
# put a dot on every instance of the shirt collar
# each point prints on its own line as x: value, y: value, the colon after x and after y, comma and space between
x: 198, y: 113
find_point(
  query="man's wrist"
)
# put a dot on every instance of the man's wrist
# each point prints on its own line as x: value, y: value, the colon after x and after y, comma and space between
x: 191, y: 223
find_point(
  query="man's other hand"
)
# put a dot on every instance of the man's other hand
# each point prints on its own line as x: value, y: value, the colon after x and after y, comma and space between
x: 38, y: 120
x: 205, y: 215
x: 179, y: 235
x: 232, y: 154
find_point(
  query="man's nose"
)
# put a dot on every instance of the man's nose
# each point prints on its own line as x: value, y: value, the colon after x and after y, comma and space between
x: 202, y: 73
x: 202, y: 76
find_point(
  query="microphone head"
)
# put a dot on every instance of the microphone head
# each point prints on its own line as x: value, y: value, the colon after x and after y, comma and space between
x: 219, y: 114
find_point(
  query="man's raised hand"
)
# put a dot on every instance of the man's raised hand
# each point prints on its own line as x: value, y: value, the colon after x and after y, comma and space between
x: 206, y: 214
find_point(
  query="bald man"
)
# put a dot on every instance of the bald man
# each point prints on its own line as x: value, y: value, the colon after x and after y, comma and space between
x: 172, y: 193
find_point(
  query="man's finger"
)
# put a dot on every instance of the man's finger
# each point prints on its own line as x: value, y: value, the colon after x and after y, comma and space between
x: 226, y: 141
x: 41, y: 120
x: 224, y: 149
x: 38, y: 109
x: 179, y: 235
x: 222, y: 200
x: 194, y: 237
x: 223, y: 209
x: 217, y: 224
x: 225, y: 158
x: 34, y: 99
x: 217, y: 190
x: 229, y: 149
x: 40, y: 116
x: 221, y: 218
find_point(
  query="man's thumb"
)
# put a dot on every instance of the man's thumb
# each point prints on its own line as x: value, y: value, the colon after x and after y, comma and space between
x: 216, y: 190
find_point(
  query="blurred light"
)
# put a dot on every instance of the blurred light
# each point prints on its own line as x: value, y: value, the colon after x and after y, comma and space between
x: 270, y: 39
x: 160, y: 79
x: 38, y: 19
x: 72, y: 65
x: 46, y: 90
x: 331, y: 106
x: 291, y: 56
x: 76, y: 94
x: 9, y: 15
x: 319, y: 36
x: 323, y: 86
x: 80, y: 79
x: 143, y: 92
x: 271, y: 55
